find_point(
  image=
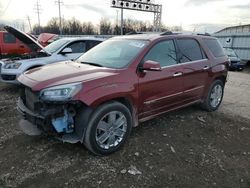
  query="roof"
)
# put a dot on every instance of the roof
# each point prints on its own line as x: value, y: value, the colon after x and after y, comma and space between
x: 155, y: 36
x: 82, y: 38
x: 233, y: 27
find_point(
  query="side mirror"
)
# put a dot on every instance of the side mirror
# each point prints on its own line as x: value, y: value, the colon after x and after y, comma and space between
x: 151, y: 66
x: 66, y: 51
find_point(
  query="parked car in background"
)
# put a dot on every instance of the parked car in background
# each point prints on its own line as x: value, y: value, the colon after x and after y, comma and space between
x: 119, y: 83
x: 60, y: 50
x: 46, y: 38
x: 11, y: 46
x: 236, y: 63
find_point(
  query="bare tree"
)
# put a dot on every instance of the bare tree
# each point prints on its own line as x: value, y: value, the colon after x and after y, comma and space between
x: 105, y: 27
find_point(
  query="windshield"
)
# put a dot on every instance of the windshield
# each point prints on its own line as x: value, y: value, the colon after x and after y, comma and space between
x: 56, y: 45
x: 230, y: 53
x: 113, y: 53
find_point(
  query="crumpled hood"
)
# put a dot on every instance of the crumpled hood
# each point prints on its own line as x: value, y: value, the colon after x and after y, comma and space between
x: 62, y: 73
x: 26, y: 39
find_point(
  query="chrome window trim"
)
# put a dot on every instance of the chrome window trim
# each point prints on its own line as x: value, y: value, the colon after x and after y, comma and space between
x: 189, y: 62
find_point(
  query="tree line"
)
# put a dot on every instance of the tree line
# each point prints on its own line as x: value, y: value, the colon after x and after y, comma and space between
x: 105, y: 27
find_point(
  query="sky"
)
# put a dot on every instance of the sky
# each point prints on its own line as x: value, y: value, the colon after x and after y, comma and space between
x: 192, y: 15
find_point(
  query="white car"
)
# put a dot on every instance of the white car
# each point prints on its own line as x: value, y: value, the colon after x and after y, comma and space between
x: 61, y: 50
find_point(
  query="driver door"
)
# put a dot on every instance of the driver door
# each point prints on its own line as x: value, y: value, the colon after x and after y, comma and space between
x: 160, y: 91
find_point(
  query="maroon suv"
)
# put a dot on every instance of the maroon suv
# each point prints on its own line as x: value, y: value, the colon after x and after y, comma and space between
x: 97, y: 99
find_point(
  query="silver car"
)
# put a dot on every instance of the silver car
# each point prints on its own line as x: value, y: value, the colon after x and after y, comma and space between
x: 61, y: 50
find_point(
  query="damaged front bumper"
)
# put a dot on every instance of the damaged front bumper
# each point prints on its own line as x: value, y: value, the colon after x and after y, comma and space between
x: 57, y: 119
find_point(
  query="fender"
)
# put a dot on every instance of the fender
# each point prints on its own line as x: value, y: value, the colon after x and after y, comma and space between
x: 103, y: 93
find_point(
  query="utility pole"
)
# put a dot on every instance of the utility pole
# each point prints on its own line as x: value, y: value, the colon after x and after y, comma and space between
x: 28, y: 18
x: 121, y: 21
x: 59, y: 2
x: 38, y: 11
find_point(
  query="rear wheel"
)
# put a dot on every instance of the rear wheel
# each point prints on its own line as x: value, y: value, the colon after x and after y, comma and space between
x: 214, y: 96
x: 108, y: 128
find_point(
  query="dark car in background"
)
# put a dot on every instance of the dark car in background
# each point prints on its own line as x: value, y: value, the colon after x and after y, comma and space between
x: 235, y: 61
x: 121, y: 82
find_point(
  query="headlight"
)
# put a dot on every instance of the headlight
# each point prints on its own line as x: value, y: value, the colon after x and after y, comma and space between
x: 12, y: 65
x: 61, y: 92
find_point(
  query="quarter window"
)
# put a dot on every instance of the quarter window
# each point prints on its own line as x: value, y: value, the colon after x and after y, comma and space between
x: 163, y: 52
x: 215, y: 47
x: 9, y: 38
x: 189, y: 50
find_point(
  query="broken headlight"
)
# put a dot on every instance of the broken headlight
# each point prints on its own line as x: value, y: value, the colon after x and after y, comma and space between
x: 61, y: 92
x: 12, y: 65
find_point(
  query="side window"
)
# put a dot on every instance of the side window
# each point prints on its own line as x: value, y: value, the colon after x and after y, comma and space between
x: 189, y: 50
x: 77, y: 47
x: 215, y: 47
x: 9, y: 38
x: 92, y: 43
x: 163, y: 52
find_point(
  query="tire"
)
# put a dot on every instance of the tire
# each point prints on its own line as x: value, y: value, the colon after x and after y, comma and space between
x: 103, y: 135
x: 216, y: 90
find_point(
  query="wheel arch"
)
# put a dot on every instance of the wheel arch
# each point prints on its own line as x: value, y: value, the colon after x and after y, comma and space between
x: 223, y: 78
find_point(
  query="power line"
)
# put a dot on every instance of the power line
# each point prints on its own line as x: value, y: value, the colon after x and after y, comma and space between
x: 59, y: 2
x: 6, y: 8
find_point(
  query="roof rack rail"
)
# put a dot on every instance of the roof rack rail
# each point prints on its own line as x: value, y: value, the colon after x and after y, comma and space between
x: 133, y: 33
x: 204, y: 34
x: 167, y: 33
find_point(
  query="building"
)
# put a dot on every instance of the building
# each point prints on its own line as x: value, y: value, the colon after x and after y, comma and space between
x: 237, y: 38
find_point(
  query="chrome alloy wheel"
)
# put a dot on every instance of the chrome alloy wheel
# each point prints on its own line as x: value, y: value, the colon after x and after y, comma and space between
x: 111, y: 129
x: 216, y: 95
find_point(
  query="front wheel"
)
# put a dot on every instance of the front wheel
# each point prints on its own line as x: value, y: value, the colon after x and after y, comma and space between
x: 214, y: 96
x: 108, y: 128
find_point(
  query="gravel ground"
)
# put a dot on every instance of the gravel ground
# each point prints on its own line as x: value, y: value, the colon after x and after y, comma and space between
x: 186, y: 148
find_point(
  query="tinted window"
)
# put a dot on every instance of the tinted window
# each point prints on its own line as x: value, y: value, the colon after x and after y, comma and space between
x: 9, y: 38
x: 163, y: 52
x: 92, y: 43
x: 78, y: 47
x: 215, y: 47
x: 189, y: 50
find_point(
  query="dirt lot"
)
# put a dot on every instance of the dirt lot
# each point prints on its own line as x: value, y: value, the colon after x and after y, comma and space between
x: 187, y: 148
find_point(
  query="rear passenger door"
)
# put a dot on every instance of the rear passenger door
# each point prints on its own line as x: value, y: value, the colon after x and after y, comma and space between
x: 195, y: 68
x: 160, y: 91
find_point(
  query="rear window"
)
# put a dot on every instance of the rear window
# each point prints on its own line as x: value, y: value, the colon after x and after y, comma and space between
x: 215, y: 47
x: 9, y: 38
x: 189, y: 50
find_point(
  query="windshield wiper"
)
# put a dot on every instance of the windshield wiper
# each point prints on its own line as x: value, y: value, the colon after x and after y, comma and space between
x: 94, y: 64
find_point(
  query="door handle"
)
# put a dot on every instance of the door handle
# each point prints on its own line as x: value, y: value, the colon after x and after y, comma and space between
x: 177, y: 74
x: 206, y: 67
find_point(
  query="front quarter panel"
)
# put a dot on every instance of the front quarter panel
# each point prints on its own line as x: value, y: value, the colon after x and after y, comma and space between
x: 99, y: 91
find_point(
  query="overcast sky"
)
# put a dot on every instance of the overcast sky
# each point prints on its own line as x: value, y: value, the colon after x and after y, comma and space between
x: 198, y: 15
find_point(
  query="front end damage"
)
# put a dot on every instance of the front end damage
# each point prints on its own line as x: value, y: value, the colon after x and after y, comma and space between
x: 60, y: 119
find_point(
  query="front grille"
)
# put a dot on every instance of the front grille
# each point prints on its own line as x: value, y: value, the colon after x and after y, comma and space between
x: 8, y: 77
x: 31, y: 98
